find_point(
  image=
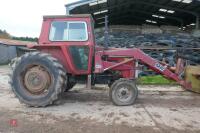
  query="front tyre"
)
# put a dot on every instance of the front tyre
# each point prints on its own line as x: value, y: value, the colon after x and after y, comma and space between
x: 37, y: 79
x: 123, y: 92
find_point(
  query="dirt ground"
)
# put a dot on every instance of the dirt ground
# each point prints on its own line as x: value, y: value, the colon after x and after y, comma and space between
x: 159, y: 109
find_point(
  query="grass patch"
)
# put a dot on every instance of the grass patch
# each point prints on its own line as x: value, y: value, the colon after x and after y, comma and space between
x: 157, y: 80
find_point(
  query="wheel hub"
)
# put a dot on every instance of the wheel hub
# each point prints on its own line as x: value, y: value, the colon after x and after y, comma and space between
x: 37, y: 80
x: 124, y: 93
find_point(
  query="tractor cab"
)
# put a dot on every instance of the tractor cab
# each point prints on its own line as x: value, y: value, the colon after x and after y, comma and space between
x: 75, y: 35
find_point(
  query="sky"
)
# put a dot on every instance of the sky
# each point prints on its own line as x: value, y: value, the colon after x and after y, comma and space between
x: 24, y: 17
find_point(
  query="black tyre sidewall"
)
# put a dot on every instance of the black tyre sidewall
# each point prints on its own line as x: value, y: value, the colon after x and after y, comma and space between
x: 23, y: 94
x: 69, y: 86
x: 114, y: 87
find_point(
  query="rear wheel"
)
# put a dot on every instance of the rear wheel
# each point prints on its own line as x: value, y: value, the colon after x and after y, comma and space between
x: 37, y: 79
x: 123, y: 92
x: 69, y: 86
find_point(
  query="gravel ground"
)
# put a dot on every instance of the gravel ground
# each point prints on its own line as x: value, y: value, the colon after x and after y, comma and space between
x: 159, y: 109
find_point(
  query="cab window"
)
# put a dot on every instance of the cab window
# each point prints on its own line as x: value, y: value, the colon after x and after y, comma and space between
x: 68, y: 31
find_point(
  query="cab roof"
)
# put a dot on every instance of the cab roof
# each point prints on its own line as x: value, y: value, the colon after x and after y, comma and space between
x: 67, y: 16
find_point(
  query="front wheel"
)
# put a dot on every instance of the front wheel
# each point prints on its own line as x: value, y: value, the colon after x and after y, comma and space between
x: 123, y: 92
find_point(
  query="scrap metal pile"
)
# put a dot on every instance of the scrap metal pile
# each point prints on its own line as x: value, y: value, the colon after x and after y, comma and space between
x: 158, y: 43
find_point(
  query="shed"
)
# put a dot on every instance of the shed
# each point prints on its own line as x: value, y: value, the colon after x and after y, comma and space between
x: 181, y: 13
x: 10, y: 49
x: 7, y: 53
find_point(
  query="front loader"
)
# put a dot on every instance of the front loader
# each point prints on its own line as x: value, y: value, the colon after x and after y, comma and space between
x: 66, y: 54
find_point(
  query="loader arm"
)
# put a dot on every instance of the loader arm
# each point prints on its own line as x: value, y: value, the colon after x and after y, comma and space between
x: 155, y: 65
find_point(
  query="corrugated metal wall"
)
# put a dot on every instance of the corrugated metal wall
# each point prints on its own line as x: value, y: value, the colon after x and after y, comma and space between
x: 7, y: 53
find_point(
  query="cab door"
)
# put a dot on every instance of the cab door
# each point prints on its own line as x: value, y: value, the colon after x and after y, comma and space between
x: 78, y: 41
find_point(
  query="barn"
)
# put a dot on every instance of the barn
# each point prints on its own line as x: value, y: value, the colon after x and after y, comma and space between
x: 9, y: 49
x: 7, y: 53
x: 159, y: 27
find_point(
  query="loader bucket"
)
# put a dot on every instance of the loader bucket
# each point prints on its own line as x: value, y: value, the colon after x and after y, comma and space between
x: 192, y: 75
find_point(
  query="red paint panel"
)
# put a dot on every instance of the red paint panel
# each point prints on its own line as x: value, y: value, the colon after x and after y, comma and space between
x: 59, y: 49
x: 153, y: 64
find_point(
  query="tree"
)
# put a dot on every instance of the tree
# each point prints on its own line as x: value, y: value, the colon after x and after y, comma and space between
x: 4, y: 34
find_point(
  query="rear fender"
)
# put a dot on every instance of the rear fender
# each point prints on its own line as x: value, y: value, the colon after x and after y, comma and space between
x: 60, y: 53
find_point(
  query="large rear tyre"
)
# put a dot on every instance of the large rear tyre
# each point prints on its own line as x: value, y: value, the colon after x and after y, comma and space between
x: 123, y: 92
x: 37, y: 79
x: 69, y: 86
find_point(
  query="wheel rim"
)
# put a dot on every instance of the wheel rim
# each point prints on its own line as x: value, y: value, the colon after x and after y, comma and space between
x: 124, y: 93
x: 37, y: 80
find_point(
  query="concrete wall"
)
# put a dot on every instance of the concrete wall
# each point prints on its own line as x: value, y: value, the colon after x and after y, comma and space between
x: 7, y: 53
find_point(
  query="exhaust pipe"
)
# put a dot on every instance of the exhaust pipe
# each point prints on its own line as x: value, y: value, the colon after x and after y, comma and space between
x: 106, y: 35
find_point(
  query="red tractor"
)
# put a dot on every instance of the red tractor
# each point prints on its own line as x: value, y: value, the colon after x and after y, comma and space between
x: 66, y: 54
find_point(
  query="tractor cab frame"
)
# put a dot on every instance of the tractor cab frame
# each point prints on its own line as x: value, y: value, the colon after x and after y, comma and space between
x: 69, y: 39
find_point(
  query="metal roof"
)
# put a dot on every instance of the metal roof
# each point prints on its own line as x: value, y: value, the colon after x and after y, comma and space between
x: 15, y: 42
x: 180, y: 13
